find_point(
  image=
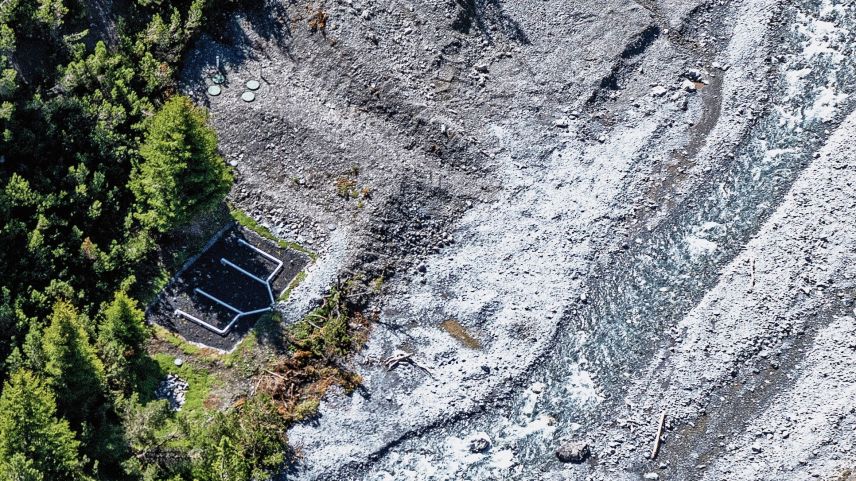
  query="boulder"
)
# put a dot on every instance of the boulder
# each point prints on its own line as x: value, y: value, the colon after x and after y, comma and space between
x: 479, y: 444
x: 573, y: 452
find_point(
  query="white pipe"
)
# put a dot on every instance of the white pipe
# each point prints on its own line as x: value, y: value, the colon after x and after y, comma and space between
x: 239, y: 314
x: 218, y: 301
x: 257, y: 311
x: 228, y: 327
x: 264, y: 254
x: 227, y: 262
x: 204, y: 324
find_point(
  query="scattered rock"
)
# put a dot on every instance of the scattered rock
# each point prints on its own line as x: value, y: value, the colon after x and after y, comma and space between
x: 573, y: 452
x: 688, y: 85
x: 174, y: 390
x: 479, y: 445
x: 693, y: 74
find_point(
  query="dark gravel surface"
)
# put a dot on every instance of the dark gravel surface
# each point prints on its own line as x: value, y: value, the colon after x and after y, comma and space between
x: 227, y: 284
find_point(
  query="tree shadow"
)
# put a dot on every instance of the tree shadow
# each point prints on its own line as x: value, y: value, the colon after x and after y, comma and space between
x: 267, y: 19
x: 151, y: 374
x: 225, y: 43
x: 482, y: 15
x: 271, y: 332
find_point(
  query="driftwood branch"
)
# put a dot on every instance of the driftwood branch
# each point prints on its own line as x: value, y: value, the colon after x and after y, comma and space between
x: 397, y: 358
x: 400, y: 357
x: 275, y: 374
x: 256, y: 389
x: 659, y: 438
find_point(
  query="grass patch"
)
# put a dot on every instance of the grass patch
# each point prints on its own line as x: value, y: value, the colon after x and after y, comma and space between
x: 300, y: 277
x: 243, y: 219
x: 459, y: 332
x: 346, y: 188
x: 200, y: 383
x: 263, y: 344
x: 242, y: 350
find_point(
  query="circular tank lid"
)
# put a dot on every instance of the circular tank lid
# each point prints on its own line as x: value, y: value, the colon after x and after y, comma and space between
x: 248, y: 96
x: 253, y: 84
x: 214, y: 90
x: 218, y: 78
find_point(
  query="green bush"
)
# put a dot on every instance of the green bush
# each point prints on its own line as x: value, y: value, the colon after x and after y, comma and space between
x: 306, y: 409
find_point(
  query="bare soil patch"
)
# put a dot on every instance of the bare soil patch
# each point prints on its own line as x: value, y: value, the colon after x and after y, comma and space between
x: 227, y: 284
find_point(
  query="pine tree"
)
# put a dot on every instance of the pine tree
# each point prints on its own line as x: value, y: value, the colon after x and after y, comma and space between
x: 122, y: 338
x: 181, y: 172
x: 71, y: 366
x: 34, y: 444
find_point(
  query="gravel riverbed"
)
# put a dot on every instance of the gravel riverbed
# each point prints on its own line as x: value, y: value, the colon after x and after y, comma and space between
x: 631, y: 207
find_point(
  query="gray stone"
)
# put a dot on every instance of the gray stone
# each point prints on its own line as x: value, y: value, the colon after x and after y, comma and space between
x: 573, y: 452
x: 479, y: 445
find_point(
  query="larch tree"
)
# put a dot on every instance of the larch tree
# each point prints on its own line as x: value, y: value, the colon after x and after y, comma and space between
x: 72, y: 369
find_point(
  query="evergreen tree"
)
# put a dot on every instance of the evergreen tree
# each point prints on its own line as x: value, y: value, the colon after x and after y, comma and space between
x: 122, y: 338
x: 181, y: 172
x: 34, y: 444
x: 244, y: 444
x: 19, y: 468
x: 72, y: 368
x: 228, y: 464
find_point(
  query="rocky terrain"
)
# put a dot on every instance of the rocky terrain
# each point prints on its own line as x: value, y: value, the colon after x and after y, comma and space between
x: 626, y: 208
